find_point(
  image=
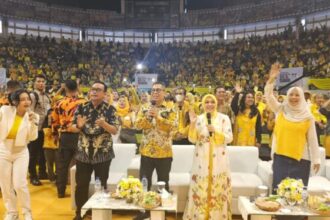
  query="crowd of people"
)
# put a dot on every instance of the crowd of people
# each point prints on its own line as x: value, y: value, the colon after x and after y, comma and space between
x: 177, y: 63
x: 55, y: 126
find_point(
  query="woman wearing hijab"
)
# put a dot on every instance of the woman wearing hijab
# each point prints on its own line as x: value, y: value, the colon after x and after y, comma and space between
x: 210, y: 187
x: 259, y: 103
x: 18, y: 127
x: 294, y: 143
x: 126, y: 118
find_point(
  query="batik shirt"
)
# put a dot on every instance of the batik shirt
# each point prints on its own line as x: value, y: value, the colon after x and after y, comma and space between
x: 156, y: 140
x: 63, y: 114
x: 95, y: 143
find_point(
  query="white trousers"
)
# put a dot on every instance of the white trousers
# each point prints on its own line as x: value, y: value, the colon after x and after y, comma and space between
x: 14, y: 162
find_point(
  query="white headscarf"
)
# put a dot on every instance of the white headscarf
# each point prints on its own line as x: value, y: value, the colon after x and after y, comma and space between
x: 300, y: 112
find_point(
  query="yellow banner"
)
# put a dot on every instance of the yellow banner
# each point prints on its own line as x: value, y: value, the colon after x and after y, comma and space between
x: 321, y: 84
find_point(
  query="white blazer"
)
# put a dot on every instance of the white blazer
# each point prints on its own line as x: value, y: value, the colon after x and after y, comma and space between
x: 27, y: 130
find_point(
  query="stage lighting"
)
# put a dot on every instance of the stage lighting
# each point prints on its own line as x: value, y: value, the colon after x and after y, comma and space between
x: 139, y: 66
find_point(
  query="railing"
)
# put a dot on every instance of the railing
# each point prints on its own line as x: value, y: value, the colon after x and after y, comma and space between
x: 36, y: 11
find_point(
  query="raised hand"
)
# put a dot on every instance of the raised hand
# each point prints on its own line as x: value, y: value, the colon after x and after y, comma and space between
x: 100, y: 122
x: 153, y: 112
x: 210, y: 128
x: 32, y: 117
x: 192, y: 116
x: 275, y: 70
x: 81, y: 121
x: 238, y: 88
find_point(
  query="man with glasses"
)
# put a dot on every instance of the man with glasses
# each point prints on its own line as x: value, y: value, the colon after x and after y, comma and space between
x: 62, y: 126
x: 181, y: 108
x: 223, y: 105
x: 156, y: 122
x: 95, y: 121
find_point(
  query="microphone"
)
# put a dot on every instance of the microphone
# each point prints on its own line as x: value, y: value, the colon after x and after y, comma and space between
x: 208, y: 116
x: 153, y: 104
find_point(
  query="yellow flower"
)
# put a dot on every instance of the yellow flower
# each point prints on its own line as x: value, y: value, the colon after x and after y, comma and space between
x: 291, y: 189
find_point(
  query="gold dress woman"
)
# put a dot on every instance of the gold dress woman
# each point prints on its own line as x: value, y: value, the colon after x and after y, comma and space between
x: 210, y: 187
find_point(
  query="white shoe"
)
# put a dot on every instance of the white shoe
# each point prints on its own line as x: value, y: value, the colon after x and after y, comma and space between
x: 11, y: 216
x: 27, y: 216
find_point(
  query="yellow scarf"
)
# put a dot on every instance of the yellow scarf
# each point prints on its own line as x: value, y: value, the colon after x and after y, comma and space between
x: 122, y: 112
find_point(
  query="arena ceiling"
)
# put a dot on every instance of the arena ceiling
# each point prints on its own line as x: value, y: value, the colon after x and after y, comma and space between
x: 114, y: 5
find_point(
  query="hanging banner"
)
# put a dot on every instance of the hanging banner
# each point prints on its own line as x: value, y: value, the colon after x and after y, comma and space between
x: 287, y: 75
x: 145, y: 81
x: 3, y: 78
x: 319, y: 84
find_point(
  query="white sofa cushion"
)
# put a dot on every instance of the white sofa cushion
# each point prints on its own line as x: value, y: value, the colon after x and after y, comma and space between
x: 327, y: 169
x: 244, y: 184
x: 124, y: 153
x: 318, y: 185
x: 245, y: 161
x: 179, y: 184
x: 182, y: 158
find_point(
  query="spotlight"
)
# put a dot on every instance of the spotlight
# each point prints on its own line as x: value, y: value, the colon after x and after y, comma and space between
x: 139, y: 66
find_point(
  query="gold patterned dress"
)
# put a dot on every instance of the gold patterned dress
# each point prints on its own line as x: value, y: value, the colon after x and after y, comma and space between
x: 210, y: 187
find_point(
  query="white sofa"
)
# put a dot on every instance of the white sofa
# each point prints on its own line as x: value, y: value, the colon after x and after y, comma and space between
x: 243, y: 165
x: 124, y: 153
x: 317, y: 182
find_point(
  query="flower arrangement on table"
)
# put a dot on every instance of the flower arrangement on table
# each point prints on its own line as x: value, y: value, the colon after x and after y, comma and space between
x: 129, y: 188
x: 291, y: 190
x: 150, y: 200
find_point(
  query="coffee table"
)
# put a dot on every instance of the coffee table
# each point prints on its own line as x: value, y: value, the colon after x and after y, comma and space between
x: 102, y: 207
x: 249, y: 211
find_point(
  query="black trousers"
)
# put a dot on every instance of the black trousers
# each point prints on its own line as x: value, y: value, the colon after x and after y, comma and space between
x: 184, y: 141
x: 83, y: 178
x: 37, y: 156
x: 67, y: 148
x: 284, y: 167
x: 162, y: 166
x: 51, y: 156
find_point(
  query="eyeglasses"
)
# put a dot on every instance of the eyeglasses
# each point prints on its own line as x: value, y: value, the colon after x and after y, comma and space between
x: 156, y: 90
x: 96, y: 90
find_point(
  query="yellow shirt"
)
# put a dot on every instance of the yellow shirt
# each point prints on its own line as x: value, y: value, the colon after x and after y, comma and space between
x: 183, y: 121
x: 13, y: 131
x: 48, y: 139
x: 261, y: 107
x: 290, y: 137
x: 317, y: 115
x: 245, y: 130
x: 156, y: 141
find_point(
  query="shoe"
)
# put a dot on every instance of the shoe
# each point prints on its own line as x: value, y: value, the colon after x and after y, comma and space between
x: 28, y: 216
x: 52, y: 180
x: 11, y: 216
x: 60, y: 195
x: 36, y: 182
x: 43, y: 176
x: 77, y: 217
x: 142, y: 216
